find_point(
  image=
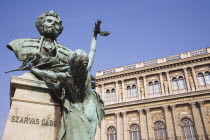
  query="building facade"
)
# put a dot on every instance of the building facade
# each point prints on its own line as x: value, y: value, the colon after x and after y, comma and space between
x: 163, y: 99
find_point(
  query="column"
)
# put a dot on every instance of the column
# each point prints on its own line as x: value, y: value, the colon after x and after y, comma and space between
x: 116, y: 91
x: 118, y: 126
x: 161, y: 84
x: 194, y: 78
x: 169, y: 83
x: 103, y: 131
x: 204, y: 120
x: 98, y: 133
x: 187, y: 79
x: 125, y: 129
x: 123, y: 90
x: 138, y: 87
x: 197, y: 121
x: 169, y: 125
x: 143, y: 124
x: 177, y: 128
x: 150, y: 129
x: 103, y: 93
x: 145, y: 86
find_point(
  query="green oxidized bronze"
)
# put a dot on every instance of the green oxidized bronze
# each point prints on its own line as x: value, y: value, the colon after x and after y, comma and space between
x: 82, y: 107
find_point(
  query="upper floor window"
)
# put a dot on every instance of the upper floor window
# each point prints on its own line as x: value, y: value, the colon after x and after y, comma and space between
x: 111, y: 133
x: 157, y: 87
x: 129, y: 91
x: 188, y: 129
x: 108, y: 95
x: 160, y: 132
x: 151, y: 88
x: 201, y: 79
x: 134, y: 132
x: 175, y: 84
x: 178, y: 83
x: 181, y: 83
x: 207, y: 75
x: 154, y: 87
x: 134, y: 91
x: 113, y: 94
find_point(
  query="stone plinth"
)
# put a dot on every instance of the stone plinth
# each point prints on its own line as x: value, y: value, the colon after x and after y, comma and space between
x: 33, y: 113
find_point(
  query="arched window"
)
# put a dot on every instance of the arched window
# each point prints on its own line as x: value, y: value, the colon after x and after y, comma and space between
x: 175, y: 84
x: 113, y: 94
x: 201, y: 79
x: 111, y: 133
x: 134, y: 91
x: 129, y: 91
x: 134, y: 132
x: 151, y: 88
x: 157, y: 87
x: 188, y: 131
x: 207, y: 76
x: 181, y: 83
x: 108, y: 95
x: 160, y: 132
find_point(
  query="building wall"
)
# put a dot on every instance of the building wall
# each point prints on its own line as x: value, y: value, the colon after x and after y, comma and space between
x: 165, y: 94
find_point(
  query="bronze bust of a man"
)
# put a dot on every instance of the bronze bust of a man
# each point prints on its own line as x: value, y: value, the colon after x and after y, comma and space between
x: 50, y: 27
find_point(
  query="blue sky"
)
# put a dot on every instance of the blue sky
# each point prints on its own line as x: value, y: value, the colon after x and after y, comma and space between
x: 140, y: 30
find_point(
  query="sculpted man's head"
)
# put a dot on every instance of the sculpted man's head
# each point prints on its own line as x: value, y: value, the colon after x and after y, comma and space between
x: 49, y: 25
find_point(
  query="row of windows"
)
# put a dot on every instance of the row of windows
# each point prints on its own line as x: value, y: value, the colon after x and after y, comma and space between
x: 187, y: 126
x: 204, y: 79
x: 154, y: 87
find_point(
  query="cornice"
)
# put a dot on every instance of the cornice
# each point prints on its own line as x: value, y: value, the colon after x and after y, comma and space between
x: 160, y: 99
x: 157, y: 68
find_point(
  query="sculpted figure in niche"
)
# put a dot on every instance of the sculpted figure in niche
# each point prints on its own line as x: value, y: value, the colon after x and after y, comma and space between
x: 82, y: 107
x: 120, y: 93
x: 142, y: 89
x: 191, y: 81
x: 166, y: 85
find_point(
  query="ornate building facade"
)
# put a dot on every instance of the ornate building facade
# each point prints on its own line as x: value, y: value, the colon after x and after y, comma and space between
x: 163, y: 99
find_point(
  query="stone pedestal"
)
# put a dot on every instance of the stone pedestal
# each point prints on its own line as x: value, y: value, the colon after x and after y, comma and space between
x: 33, y: 113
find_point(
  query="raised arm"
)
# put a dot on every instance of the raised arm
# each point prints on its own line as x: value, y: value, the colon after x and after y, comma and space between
x: 96, y: 31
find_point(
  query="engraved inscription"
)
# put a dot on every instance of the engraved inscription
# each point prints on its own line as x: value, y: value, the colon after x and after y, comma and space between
x: 36, y: 121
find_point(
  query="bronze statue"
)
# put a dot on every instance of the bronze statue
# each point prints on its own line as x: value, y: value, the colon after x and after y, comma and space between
x: 82, y: 107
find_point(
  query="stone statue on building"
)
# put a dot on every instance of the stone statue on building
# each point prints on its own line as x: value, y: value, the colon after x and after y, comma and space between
x: 120, y: 93
x: 166, y: 86
x: 82, y: 107
x: 142, y: 89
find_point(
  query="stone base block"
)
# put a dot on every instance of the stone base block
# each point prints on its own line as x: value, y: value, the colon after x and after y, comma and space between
x: 33, y: 114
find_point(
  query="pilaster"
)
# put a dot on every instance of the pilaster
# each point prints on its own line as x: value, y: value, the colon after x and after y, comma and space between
x: 118, y: 126
x: 143, y: 124
x: 150, y: 129
x: 177, y: 128
x: 138, y: 87
x: 194, y: 78
x: 123, y: 90
x: 145, y: 86
x: 125, y: 124
x: 103, y: 93
x: 169, y: 125
x: 117, y: 93
x: 161, y: 84
x: 169, y: 82
x: 204, y: 120
x: 187, y: 79
x: 197, y: 121
x: 103, y: 131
